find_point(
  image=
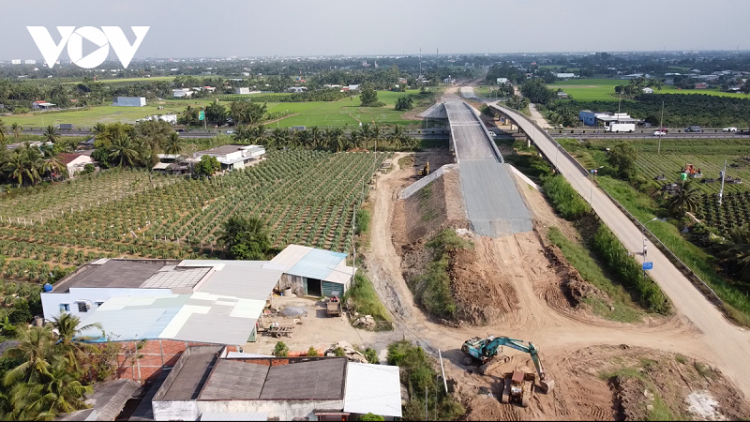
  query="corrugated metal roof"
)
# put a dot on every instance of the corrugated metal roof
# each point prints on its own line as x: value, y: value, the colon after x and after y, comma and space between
x: 161, y: 166
x: 287, y: 258
x: 317, y: 264
x: 315, y: 380
x: 342, y: 274
x: 239, y: 280
x: 134, y: 318
x: 235, y: 380
x: 373, y: 389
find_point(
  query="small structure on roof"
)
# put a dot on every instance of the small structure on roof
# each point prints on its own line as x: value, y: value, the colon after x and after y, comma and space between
x: 206, y: 384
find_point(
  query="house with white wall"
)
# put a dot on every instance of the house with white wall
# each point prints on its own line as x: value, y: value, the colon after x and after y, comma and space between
x: 74, y: 163
x: 233, y: 157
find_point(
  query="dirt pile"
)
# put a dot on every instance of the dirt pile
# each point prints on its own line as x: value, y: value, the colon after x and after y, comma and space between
x: 573, y: 286
x: 482, y: 293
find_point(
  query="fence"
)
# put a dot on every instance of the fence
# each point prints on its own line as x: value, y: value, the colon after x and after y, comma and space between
x: 701, y: 285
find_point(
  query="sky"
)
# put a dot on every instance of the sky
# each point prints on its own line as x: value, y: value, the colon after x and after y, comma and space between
x: 248, y: 28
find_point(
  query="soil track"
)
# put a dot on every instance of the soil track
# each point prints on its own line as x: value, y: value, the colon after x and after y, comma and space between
x: 541, y: 315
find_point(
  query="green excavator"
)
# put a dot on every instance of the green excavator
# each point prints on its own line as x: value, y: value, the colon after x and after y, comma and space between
x: 517, y: 384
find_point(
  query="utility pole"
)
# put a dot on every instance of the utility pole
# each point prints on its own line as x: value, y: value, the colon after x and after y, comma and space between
x: 420, y: 62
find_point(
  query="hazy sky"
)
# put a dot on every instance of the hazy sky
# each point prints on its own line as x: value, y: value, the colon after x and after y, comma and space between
x: 220, y: 28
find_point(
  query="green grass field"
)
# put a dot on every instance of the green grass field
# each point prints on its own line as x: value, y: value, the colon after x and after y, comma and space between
x: 317, y: 113
x: 604, y: 89
x: 103, y: 114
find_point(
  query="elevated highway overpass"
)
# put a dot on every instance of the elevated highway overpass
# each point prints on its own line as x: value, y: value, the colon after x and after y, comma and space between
x: 726, y: 343
x: 493, y: 203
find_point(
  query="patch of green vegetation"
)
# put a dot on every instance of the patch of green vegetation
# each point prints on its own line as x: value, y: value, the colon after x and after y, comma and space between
x: 620, y: 263
x: 564, y: 198
x: 418, y: 373
x: 660, y: 410
x: 432, y: 289
x: 680, y: 359
x: 364, y: 299
x: 582, y: 260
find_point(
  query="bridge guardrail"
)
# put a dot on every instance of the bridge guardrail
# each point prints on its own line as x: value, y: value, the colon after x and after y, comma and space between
x: 695, y: 280
x: 485, y: 131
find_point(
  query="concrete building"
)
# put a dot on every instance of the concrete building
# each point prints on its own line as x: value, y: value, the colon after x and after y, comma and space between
x: 243, y: 90
x: 169, y: 118
x: 701, y: 85
x: 130, y: 102
x: 29, y: 61
x: 207, y: 383
x: 648, y: 90
x: 565, y: 75
x: 182, y: 93
x: 503, y: 81
x: 297, y: 89
x: 75, y: 163
x: 233, y: 157
x: 591, y: 118
x: 313, y: 272
x: 15, y: 61
x: 562, y: 95
x: 42, y: 105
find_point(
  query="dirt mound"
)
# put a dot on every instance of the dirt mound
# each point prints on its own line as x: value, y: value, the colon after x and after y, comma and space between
x: 573, y: 285
x: 483, y: 294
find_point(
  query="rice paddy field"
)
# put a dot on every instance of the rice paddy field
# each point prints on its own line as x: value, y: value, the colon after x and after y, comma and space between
x: 604, y: 89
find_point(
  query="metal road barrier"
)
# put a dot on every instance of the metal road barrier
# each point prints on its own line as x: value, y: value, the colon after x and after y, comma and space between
x: 701, y: 285
x: 486, y: 133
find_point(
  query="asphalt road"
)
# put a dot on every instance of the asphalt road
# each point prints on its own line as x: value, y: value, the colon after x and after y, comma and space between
x: 727, y: 345
x: 688, y: 135
x: 493, y: 203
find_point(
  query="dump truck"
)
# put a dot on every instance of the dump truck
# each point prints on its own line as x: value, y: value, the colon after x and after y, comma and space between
x: 333, y: 306
x: 518, y: 387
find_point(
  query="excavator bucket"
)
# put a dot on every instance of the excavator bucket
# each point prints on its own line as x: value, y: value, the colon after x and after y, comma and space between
x: 547, y: 386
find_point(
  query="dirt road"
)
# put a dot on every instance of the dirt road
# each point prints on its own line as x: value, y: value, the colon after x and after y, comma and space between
x: 723, y: 343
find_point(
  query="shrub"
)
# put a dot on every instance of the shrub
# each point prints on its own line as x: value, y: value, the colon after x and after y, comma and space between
x: 362, y: 298
x: 312, y: 352
x: 371, y: 417
x: 564, y: 198
x: 281, y: 350
x: 372, y: 356
x: 339, y: 352
x: 363, y: 221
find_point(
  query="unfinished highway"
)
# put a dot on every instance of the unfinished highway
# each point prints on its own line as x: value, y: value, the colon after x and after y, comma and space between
x: 493, y: 203
x: 727, y: 343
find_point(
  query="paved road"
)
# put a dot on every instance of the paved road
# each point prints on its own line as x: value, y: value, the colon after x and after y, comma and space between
x: 728, y: 343
x: 493, y: 203
x: 594, y: 135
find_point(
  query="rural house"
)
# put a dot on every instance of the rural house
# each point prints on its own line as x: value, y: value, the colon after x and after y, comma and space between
x: 232, y: 157
x: 182, y: 93
x: 41, y: 105
x: 169, y: 304
x: 701, y: 85
x: 648, y: 90
x: 208, y: 383
x: 74, y: 162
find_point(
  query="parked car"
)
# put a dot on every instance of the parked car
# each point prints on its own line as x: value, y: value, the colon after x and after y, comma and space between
x: 694, y: 129
x: 230, y: 132
x: 659, y: 133
x: 729, y: 129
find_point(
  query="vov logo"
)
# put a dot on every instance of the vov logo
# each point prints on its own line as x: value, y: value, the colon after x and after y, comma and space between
x: 73, y: 38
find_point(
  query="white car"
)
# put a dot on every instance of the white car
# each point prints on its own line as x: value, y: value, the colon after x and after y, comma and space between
x: 659, y: 133
x: 729, y: 129
x: 229, y: 132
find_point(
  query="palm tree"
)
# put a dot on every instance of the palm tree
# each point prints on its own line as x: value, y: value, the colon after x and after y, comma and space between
x: 123, y: 150
x: 20, y: 168
x: 36, y: 350
x: 337, y: 139
x: 51, y: 134
x: 64, y: 393
x: 280, y: 137
x: 68, y: 329
x: 397, y: 136
x: 16, y: 129
x: 316, y: 137
x: 257, y: 134
x: 173, y: 145
x: 2, y: 131
x: 685, y: 200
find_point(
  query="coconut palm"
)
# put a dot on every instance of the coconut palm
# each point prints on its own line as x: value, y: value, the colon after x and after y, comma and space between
x: 64, y: 393
x: 257, y: 134
x: 68, y: 328
x: 685, y: 200
x: 51, y: 134
x: 737, y: 251
x: 316, y: 137
x: 173, y: 145
x: 51, y: 165
x: 36, y: 350
x: 2, y: 131
x: 123, y: 151
x: 16, y: 129
x: 21, y: 167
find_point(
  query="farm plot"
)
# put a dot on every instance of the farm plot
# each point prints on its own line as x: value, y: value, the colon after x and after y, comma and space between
x: 307, y: 197
x: 733, y: 211
x: 671, y: 165
x: 84, y: 192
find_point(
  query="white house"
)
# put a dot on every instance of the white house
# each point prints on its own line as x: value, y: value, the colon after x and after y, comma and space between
x: 297, y: 89
x: 42, y: 105
x: 169, y: 118
x: 182, y: 93
x: 130, y: 102
x: 648, y: 90
x: 232, y: 157
x: 243, y: 90
x: 565, y: 75
x: 502, y: 81
x: 74, y: 162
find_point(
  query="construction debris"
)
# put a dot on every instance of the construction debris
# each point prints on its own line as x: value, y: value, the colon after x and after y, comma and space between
x: 352, y: 354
